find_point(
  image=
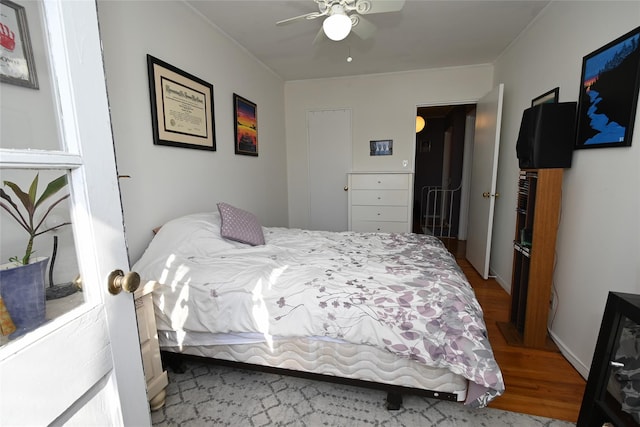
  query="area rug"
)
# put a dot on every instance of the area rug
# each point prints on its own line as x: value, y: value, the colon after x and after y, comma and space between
x: 213, y: 395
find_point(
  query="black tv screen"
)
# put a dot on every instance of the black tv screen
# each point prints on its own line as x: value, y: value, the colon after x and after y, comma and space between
x: 547, y: 135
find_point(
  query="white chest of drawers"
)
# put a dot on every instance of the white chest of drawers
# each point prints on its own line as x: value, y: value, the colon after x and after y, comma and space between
x: 380, y: 202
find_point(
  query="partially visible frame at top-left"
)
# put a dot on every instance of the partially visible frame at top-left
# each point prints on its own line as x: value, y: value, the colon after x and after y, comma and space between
x: 16, y: 56
x: 181, y: 107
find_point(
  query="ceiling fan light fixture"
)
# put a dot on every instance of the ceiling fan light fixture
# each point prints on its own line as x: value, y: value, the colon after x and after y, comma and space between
x: 337, y: 26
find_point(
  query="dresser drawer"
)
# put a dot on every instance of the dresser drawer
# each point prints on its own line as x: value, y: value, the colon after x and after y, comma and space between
x: 390, y: 181
x: 379, y: 213
x: 380, y: 197
x: 379, y: 227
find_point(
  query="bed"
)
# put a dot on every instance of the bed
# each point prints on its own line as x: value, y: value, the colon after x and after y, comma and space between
x: 389, y: 310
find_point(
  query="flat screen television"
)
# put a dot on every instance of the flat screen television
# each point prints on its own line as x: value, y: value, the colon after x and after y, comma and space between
x: 547, y: 135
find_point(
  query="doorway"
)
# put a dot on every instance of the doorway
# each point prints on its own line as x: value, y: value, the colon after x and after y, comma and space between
x: 440, y: 190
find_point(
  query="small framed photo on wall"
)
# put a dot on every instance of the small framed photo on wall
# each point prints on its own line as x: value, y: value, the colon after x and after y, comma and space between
x: 381, y: 147
x: 16, y: 55
x: 246, y: 126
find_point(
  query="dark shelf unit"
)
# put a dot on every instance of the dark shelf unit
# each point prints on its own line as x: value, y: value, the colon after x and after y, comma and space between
x: 615, y: 359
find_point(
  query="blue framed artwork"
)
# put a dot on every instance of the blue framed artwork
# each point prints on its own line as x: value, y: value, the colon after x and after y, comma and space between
x: 609, y: 94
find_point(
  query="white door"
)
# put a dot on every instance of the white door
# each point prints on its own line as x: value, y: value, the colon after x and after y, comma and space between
x: 484, y: 173
x: 83, y: 367
x: 329, y: 134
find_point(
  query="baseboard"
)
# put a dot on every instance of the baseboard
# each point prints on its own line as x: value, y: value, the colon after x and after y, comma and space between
x: 506, y: 285
x: 571, y: 358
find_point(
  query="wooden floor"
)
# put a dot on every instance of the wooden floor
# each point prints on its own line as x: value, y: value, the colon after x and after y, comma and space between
x: 537, y: 382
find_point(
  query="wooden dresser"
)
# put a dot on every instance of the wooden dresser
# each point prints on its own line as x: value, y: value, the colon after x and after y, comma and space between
x: 155, y: 377
x: 380, y: 201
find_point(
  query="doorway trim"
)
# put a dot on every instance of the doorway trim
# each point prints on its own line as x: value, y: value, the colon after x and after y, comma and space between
x: 466, y: 163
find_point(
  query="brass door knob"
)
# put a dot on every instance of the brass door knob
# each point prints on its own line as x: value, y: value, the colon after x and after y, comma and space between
x: 118, y: 281
x: 486, y: 194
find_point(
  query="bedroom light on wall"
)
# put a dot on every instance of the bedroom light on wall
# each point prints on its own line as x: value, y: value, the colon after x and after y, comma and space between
x: 420, y: 123
x: 338, y: 25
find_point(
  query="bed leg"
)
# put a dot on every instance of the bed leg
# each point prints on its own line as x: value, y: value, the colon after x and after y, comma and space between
x: 173, y: 362
x: 394, y: 401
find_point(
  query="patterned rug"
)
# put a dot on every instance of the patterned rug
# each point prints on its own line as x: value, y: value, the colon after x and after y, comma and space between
x: 214, y: 395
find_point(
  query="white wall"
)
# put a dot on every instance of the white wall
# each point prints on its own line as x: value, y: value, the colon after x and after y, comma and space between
x: 167, y: 181
x: 383, y: 107
x: 598, y: 237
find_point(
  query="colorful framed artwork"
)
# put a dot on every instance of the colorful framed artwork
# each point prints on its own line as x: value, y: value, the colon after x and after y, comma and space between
x: 16, y: 56
x: 547, y: 97
x: 609, y: 94
x: 181, y: 107
x: 246, y: 126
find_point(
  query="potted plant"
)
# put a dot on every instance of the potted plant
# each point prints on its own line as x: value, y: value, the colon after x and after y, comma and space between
x: 22, y: 279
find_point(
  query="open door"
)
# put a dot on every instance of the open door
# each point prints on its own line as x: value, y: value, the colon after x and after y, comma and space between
x: 82, y: 366
x: 484, y: 173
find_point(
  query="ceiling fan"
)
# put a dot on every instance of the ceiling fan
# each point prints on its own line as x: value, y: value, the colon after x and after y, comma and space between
x: 344, y: 15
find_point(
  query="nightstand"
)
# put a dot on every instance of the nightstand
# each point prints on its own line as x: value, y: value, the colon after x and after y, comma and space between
x: 155, y: 377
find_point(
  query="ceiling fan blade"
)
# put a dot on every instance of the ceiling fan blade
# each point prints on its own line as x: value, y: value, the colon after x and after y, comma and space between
x: 365, y: 7
x: 362, y: 27
x: 312, y: 15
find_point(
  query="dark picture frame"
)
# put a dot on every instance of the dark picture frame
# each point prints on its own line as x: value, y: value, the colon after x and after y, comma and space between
x: 381, y: 147
x: 609, y: 94
x: 182, y: 107
x: 550, y: 97
x: 245, y: 114
x: 17, y: 65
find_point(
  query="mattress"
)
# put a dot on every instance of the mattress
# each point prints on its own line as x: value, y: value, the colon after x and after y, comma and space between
x: 332, y: 358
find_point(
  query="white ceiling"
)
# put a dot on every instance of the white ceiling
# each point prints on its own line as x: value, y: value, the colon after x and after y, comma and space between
x: 424, y: 34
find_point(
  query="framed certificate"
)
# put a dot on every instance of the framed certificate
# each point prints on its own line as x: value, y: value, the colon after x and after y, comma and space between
x: 181, y: 107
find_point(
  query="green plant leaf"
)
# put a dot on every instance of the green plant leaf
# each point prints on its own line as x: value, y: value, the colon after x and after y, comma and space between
x: 28, y: 200
x: 52, y: 188
x: 33, y: 191
x: 22, y: 196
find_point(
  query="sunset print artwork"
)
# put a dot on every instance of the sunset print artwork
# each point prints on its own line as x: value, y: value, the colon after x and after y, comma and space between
x: 246, y: 128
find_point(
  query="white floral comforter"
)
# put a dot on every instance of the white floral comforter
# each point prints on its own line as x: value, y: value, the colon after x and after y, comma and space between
x: 402, y: 292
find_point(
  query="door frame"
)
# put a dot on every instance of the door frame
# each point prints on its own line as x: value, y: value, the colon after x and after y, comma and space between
x: 466, y: 163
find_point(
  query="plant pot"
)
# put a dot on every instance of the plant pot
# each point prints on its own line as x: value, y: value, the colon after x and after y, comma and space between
x: 22, y: 288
